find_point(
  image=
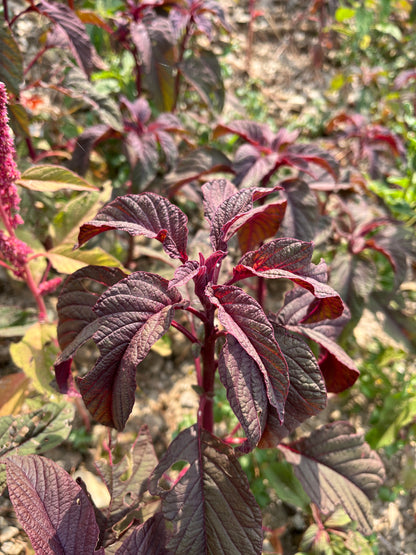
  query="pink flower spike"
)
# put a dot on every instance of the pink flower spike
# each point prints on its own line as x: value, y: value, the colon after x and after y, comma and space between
x: 9, y: 174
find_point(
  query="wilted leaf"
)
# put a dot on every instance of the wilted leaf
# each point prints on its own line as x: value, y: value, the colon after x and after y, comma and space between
x: 11, y: 61
x: 211, y: 506
x: 133, y: 314
x: 52, y: 179
x: 13, y: 388
x: 337, y: 467
x: 58, y: 519
x: 35, y: 432
x: 146, y: 214
x: 126, y: 482
x: 244, y: 319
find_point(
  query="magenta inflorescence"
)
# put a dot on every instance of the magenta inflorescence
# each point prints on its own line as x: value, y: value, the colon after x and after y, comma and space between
x: 12, y: 250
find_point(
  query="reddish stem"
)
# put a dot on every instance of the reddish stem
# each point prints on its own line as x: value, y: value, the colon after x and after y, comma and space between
x: 208, y: 377
x: 186, y: 332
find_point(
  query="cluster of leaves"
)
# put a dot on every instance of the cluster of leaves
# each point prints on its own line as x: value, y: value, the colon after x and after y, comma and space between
x: 135, y: 125
x: 272, y: 378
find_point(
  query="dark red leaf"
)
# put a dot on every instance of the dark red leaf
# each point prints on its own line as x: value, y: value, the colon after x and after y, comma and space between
x: 184, y: 273
x: 215, y: 192
x: 246, y: 392
x: 302, y: 155
x: 244, y: 319
x: 337, y: 467
x: 338, y: 369
x: 259, y: 224
x: 301, y: 216
x: 134, y: 313
x: 73, y: 28
x: 53, y: 509
x: 77, y: 322
x: 149, y: 538
x: 213, y: 491
x: 291, y: 259
x: 146, y: 214
x: 307, y: 392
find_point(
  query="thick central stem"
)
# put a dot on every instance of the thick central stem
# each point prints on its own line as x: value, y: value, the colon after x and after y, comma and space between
x: 208, y: 375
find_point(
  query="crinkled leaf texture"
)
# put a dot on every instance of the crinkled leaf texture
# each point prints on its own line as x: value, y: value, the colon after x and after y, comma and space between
x: 145, y: 214
x: 337, y: 467
x: 126, y: 493
x: 244, y: 319
x: 338, y: 369
x: 53, y: 509
x: 211, y: 506
x: 133, y: 314
x: 230, y: 211
x: 77, y: 320
x: 307, y: 394
x: 291, y: 259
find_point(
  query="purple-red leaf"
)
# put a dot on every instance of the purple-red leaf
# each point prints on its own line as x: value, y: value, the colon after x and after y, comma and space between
x: 146, y: 214
x: 211, y: 506
x: 134, y: 313
x: 73, y: 28
x: 53, y: 509
x: 202, y: 71
x: 291, y: 259
x: 337, y: 367
x: 246, y: 392
x: 336, y: 467
x: 301, y: 216
x: 307, y: 392
x: 236, y: 211
x: 184, y: 273
x: 244, y: 319
x: 215, y: 192
x: 77, y: 322
x: 148, y: 538
x: 259, y: 224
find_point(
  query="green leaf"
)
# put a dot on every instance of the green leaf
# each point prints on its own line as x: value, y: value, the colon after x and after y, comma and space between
x: 11, y: 61
x: 35, y: 355
x: 50, y: 178
x: 19, y: 119
x: 35, y: 432
x: 66, y: 260
x: 342, y: 14
x: 126, y: 480
x: 102, y: 104
x: 66, y: 223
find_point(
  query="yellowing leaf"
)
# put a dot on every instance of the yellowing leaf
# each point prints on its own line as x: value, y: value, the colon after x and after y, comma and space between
x: 65, y: 260
x: 50, y: 178
x: 13, y: 388
x: 35, y: 354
